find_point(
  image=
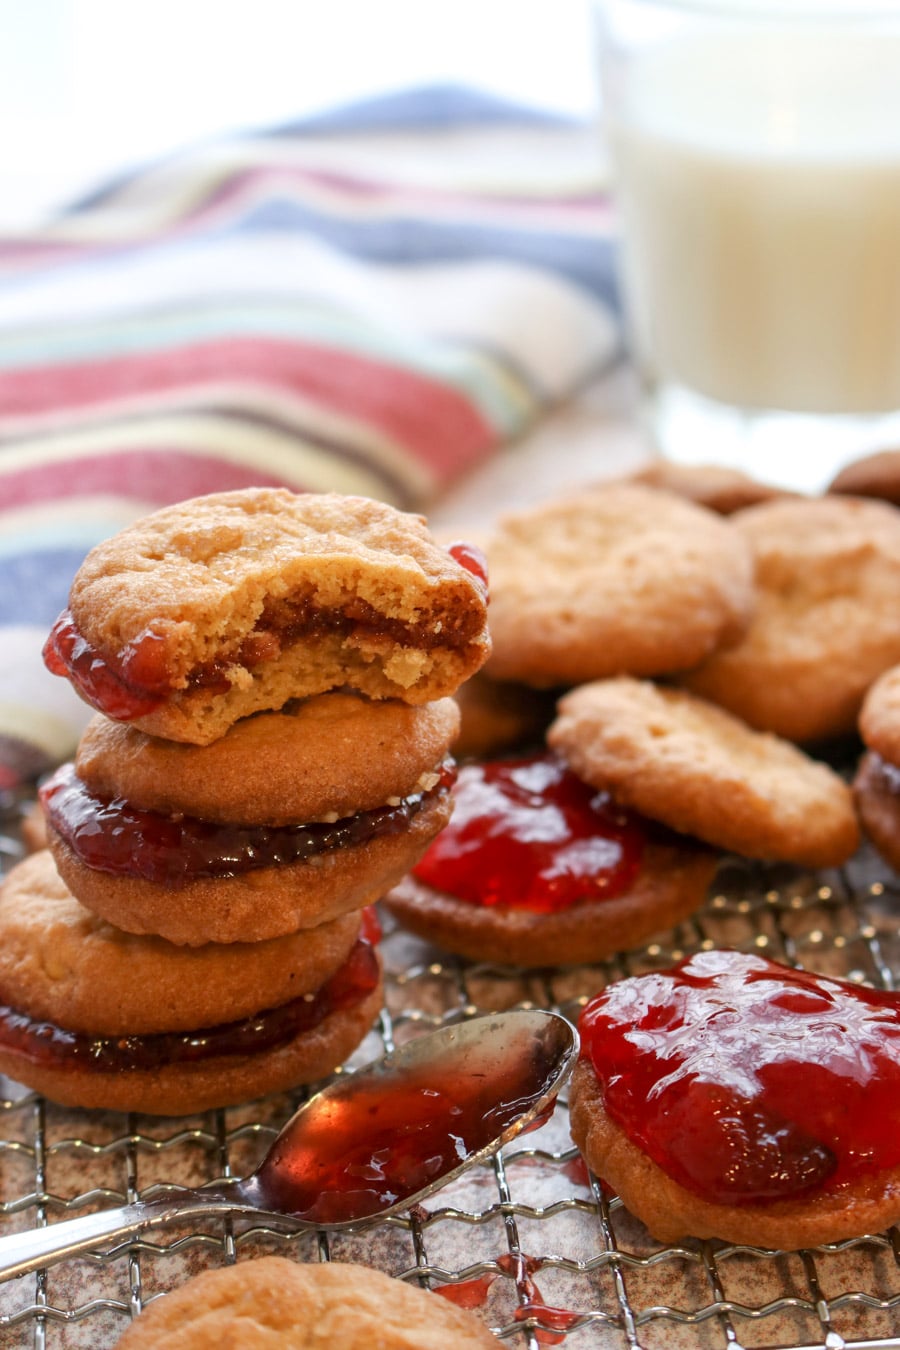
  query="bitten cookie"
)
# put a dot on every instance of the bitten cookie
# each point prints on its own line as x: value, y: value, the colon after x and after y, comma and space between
x: 827, y: 623
x: 141, y: 1025
x: 226, y: 605
x: 287, y: 821
x: 279, y: 1304
x: 538, y: 869
x: 690, y: 764
x: 705, y: 1096
x: 876, y: 787
x: 622, y: 578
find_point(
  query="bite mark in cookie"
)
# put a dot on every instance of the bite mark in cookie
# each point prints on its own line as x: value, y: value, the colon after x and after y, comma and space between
x: 213, y: 609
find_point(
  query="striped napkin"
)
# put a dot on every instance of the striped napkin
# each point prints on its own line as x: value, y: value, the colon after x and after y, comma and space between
x: 372, y: 301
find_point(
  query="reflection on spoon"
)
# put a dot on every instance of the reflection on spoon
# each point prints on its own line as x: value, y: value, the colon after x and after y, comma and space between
x: 370, y: 1143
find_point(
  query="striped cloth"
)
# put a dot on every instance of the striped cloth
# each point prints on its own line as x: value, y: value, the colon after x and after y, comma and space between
x: 372, y: 301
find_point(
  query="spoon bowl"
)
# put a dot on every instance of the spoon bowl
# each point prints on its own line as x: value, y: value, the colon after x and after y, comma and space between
x: 369, y: 1144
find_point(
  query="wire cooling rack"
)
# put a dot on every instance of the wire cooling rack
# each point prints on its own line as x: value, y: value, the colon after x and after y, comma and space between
x: 531, y: 1242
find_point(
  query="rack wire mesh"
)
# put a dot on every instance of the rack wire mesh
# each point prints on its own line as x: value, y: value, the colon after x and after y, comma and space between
x: 532, y: 1242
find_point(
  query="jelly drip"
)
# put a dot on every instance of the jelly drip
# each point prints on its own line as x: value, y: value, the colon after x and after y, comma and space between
x: 134, y: 685
x: 528, y: 834
x: 747, y: 1081
x: 116, y: 837
x: 46, y: 1043
x: 470, y: 557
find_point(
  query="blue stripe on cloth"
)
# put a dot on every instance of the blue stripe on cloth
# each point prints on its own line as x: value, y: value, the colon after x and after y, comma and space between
x: 34, y: 587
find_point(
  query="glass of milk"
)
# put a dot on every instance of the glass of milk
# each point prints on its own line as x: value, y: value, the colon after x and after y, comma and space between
x: 756, y: 153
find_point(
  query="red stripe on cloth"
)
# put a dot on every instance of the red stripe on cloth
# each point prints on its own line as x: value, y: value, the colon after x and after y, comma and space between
x: 151, y: 474
x: 435, y: 423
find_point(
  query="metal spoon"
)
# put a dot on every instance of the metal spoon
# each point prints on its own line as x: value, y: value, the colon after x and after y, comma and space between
x: 371, y: 1143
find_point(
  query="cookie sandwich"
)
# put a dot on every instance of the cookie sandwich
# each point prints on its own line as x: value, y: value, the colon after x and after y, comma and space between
x: 96, y: 1017
x: 238, y: 602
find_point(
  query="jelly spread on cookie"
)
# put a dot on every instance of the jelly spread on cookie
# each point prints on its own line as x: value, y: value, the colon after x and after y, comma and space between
x: 747, y: 1081
x: 117, y: 837
x: 45, y: 1043
x: 527, y: 833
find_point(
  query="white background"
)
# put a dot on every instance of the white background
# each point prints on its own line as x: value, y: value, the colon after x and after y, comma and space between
x: 91, y: 86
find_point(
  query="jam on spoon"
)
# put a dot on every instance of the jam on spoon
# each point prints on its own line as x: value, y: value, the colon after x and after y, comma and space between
x: 747, y: 1081
x: 455, y: 1095
x: 528, y: 833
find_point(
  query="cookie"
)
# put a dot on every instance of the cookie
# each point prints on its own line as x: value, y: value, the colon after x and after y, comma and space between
x: 286, y: 822
x: 826, y: 624
x: 715, y: 486
x: 498, y: 716
x: 681, y: 760
x: 139, y: 1024
x: 535, y: 869
x: 621, y: 579
x: 226, y: 605
x: 876, y: 785
x: 705, y: 1097
x: 875, y: 475
x: 273, y: 1302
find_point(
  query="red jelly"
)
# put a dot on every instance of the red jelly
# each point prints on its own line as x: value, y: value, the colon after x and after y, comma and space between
x: 472, y: 559
x: 116, y: 837
x: 375, y: 1147
x: 133, y: 685
x: 529, y: 834
x: 46, y: 1043
x: 747, y: 1081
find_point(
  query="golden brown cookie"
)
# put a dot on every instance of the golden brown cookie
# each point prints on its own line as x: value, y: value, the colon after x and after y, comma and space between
x: 286, y: 822
x: 876, y: 786
x: 701, y: 771
x: 826, y: 624
x: 875, y: 475
x: 319, y: 758
x: 496, y: 716
x: 622, y: 578
x: 275, y: 1304
x: 714, y: 1116
x: 147, y: 1026
x: 715, y: 486
x: 537, y: 868
x: 226, y: 605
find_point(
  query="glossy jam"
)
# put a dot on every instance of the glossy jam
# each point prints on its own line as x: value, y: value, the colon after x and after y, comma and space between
x: 747, y: 1081
x: 116, y: 837
x: 133, y: 685
x: 472, y: 559
x: 376, y: 1147
x: 527, y: 833
x: 48, y: 1044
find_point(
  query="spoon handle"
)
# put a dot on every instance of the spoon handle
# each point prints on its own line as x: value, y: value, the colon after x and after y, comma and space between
x: 21, y: 1253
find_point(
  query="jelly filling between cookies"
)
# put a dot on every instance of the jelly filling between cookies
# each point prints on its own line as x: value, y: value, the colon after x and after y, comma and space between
x: 50, y: 1045
x: 116, y: 837
x: 528, y: 834
x: 137, y: 680
x: 747, y: 1081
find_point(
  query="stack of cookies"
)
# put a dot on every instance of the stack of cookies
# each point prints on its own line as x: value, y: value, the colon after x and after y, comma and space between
x: 272, y: 675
